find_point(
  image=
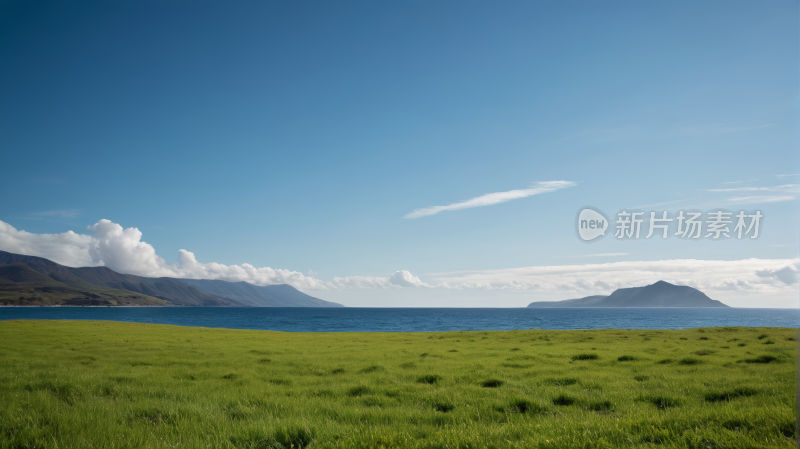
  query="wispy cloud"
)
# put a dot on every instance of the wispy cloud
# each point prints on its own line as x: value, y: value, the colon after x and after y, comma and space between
x: 717, y: 128
x: 67, y: 213
x: 786, y: 176
x: 737, y: 182
x: 661, y: 204
x: 760, y: 199
x: 626, y: 133
x: 783, y: 188
x: 602, y: 255
x: 491, y: 199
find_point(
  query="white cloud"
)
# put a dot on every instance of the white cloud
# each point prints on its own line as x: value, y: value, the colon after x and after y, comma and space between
x: 705, y: 275
x: 738, y: 182
x: 491, y: 199
x: 787, y: 274
x: 783, y: 188
x: 756, y: 276
x: 398, y: 279
x: 645, y: 206
x: 68, y: 248
x: 124, y: 251
x: 67, y: 213
x: 405, y: 279
x: 602, y: 255
x: 760, y: 199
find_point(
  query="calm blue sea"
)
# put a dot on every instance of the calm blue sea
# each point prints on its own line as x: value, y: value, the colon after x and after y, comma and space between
x: 415, y: 320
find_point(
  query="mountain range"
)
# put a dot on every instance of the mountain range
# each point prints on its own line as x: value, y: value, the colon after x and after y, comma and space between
x: 30, y: 280
x: 660, y: 294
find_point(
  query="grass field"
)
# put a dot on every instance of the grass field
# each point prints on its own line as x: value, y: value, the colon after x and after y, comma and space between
x: 123, y: 385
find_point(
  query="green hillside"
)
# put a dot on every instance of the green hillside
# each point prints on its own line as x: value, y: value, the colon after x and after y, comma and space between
x: 21, y: 285
x: 109, y: 284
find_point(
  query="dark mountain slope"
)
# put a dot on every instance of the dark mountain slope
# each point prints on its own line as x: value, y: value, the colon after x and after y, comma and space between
x: 660, y: 294
x: 174, y: 291
x: 588, y: 301
x: 22, y: 285
x: 20, y: 274
x: 279, y: 295
x: 89, y: 277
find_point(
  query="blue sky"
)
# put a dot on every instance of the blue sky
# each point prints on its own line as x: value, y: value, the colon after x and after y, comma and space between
x: 298, y: 135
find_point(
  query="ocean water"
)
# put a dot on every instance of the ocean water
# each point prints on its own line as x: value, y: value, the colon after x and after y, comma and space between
x: 416, y: 319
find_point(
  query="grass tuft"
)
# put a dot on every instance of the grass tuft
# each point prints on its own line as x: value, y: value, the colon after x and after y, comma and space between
x: 688, y: 361
x: 599, y: 406
x: 371, y: 369
x: 429, y: 379
x: 664, y: 402
x: 294, y: 436
x: 65, y: 392
x: 627, y: 358
x: 443, y: 407
x: 762, y: 359
x: 704, y: 352
x: 739, y: 392
x: 520, y: 405
x: 585, y: 357
x: 358, y: 391
x: 492, y: 383
x: 564, y: 381
x: 152, y: 416
x: 564, y: 399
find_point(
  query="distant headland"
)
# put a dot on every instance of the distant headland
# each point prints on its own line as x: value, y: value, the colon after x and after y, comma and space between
x: 660, y: 294
x: 36, y: 281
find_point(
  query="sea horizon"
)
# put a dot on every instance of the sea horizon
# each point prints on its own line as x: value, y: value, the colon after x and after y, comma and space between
x: 417, y: 319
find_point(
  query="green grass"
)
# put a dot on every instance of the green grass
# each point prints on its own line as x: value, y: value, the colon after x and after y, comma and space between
x: 125, y: 385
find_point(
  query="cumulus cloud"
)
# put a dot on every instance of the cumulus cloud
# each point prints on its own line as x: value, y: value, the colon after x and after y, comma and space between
x: 491, y: 199
x: 787, y: 274
x: 398, y: 279
x: 405, y: 279
x: 124, y: 251
x: 68, y: 248
x: 758, y: 276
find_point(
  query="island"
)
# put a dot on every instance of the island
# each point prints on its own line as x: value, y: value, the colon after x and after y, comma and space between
x: 660, y: 294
